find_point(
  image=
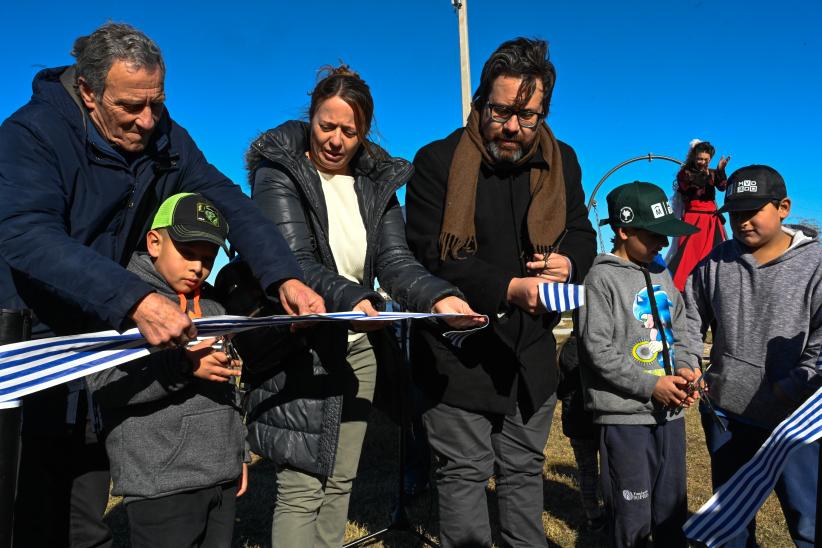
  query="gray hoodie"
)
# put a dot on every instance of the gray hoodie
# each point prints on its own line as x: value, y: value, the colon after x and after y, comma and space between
x: 623, y: 350
x: 767, y: 333
x: 167, y: 431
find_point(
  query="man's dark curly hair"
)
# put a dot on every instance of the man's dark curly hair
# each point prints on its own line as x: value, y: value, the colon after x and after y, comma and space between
x: 524, y: 58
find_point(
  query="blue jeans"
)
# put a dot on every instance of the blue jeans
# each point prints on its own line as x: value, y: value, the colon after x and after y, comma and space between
x: 795, y: 488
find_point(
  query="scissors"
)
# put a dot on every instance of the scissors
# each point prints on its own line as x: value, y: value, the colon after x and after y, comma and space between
x: 703, y: 396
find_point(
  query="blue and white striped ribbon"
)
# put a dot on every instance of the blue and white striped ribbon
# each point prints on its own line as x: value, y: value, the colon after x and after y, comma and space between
x: 555, y: 297
x: 457, y: 338
x: 561, y: 297
x: 737, y: 501
x: 31, y: 366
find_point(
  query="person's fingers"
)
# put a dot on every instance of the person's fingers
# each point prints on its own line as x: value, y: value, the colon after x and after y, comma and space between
x: 223, y: 372
x: 464, y: 322
x: 285, y: 298
x: 205, y: 343
x: 316, y: 303
x: 369, y: 309
x: 243, y: 486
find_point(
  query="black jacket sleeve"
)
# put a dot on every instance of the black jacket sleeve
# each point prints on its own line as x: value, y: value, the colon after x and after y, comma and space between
x: 405, y: 279
x: 485, y: 285
x: 279, y: 199
x: 250, y: 233
x: 580, y: 243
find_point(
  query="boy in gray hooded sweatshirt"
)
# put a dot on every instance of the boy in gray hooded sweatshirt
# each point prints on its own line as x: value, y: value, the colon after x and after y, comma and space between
x: 172, y: 426
x: 638, y: 370
x: 762, y: 294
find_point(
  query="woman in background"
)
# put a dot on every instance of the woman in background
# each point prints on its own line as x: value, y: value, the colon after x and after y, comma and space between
x: 695, y: 188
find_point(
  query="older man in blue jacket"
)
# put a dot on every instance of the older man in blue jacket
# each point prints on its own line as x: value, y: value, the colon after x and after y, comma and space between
x: 82, y: 167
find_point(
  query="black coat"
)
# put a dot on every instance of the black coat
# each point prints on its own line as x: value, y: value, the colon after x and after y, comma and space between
x: 513, y: 360
x: 295, y: 413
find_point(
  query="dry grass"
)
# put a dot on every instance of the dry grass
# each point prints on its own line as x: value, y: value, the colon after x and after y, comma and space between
x: 374, y: 496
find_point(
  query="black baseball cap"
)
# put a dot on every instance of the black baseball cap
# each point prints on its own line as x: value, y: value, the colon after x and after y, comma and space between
x: 189, y: 217
x: 644, y: 205
x: 751, y: 187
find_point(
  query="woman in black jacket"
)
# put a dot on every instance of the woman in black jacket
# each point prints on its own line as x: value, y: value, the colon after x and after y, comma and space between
x: 332, y: 194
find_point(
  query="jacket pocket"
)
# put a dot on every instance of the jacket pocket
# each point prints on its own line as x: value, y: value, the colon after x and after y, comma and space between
x: 209, y: 451
x: 742, y: 387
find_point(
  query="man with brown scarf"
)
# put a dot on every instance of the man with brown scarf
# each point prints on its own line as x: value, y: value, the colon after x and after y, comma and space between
x: 497, y: 208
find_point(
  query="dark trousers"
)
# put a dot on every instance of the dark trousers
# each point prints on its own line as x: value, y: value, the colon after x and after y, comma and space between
x: 644, y: 483
x: 795, y: 488
x: 202, y: 518
x: 62, y: 493
x: 468, y: 447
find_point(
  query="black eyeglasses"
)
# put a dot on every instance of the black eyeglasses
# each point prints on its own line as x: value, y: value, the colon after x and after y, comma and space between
x: 502, y: 113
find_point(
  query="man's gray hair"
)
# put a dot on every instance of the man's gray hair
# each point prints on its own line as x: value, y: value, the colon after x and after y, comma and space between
x: 111, y: 42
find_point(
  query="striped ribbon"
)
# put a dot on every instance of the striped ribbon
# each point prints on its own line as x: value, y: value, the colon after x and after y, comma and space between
x: 735, y: 504
x: 31, y: 366
x: 555, y: 297
x: 457, y: 338
x: 561, y: 297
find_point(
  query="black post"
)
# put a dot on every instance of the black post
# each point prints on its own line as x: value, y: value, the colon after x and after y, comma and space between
x: 15, y: 326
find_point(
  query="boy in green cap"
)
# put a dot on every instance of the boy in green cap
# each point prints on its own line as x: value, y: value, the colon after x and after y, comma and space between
x: 636, y: 371
x: 171, y: 422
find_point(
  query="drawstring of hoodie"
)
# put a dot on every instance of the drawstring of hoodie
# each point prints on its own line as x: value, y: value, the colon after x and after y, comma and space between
x: 195, y: 311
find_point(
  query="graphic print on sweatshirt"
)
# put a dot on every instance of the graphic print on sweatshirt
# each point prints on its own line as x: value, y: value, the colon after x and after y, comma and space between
x: 648, y: 351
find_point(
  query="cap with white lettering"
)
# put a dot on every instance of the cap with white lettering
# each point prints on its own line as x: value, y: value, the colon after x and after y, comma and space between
x: 644, y: 205
x: 751, y: 187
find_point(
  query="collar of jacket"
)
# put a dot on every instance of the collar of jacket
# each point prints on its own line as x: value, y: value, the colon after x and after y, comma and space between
x: 56, y: 87
x: 286, y: 145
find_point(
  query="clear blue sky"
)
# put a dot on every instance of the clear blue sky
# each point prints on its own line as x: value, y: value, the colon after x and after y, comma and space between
x: 633, y: 77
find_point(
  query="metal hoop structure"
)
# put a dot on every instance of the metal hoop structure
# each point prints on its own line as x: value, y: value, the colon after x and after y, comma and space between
x: 592, y: 202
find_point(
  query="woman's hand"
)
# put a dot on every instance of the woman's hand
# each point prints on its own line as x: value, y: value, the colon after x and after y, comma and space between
x: 364, y: 326
x: 455, y: 305
x: 723, y: 161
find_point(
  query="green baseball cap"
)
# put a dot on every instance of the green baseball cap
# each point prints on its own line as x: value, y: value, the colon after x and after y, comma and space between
x: 189, y: 217
x: 644, y: 205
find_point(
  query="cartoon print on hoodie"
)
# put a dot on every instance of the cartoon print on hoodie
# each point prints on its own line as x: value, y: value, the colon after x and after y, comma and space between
x: 649, y: 351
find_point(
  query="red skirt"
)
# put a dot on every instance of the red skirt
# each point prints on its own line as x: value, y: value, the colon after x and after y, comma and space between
x: 694, y: 248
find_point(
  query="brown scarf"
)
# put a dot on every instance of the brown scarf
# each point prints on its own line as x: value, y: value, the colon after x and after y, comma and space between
x: 546, y: 213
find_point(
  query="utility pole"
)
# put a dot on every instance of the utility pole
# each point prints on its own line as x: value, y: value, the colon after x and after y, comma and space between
x: 461, y: 7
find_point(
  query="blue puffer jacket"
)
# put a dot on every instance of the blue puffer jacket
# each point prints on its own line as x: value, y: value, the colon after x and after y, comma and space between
x: 72, y: 210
